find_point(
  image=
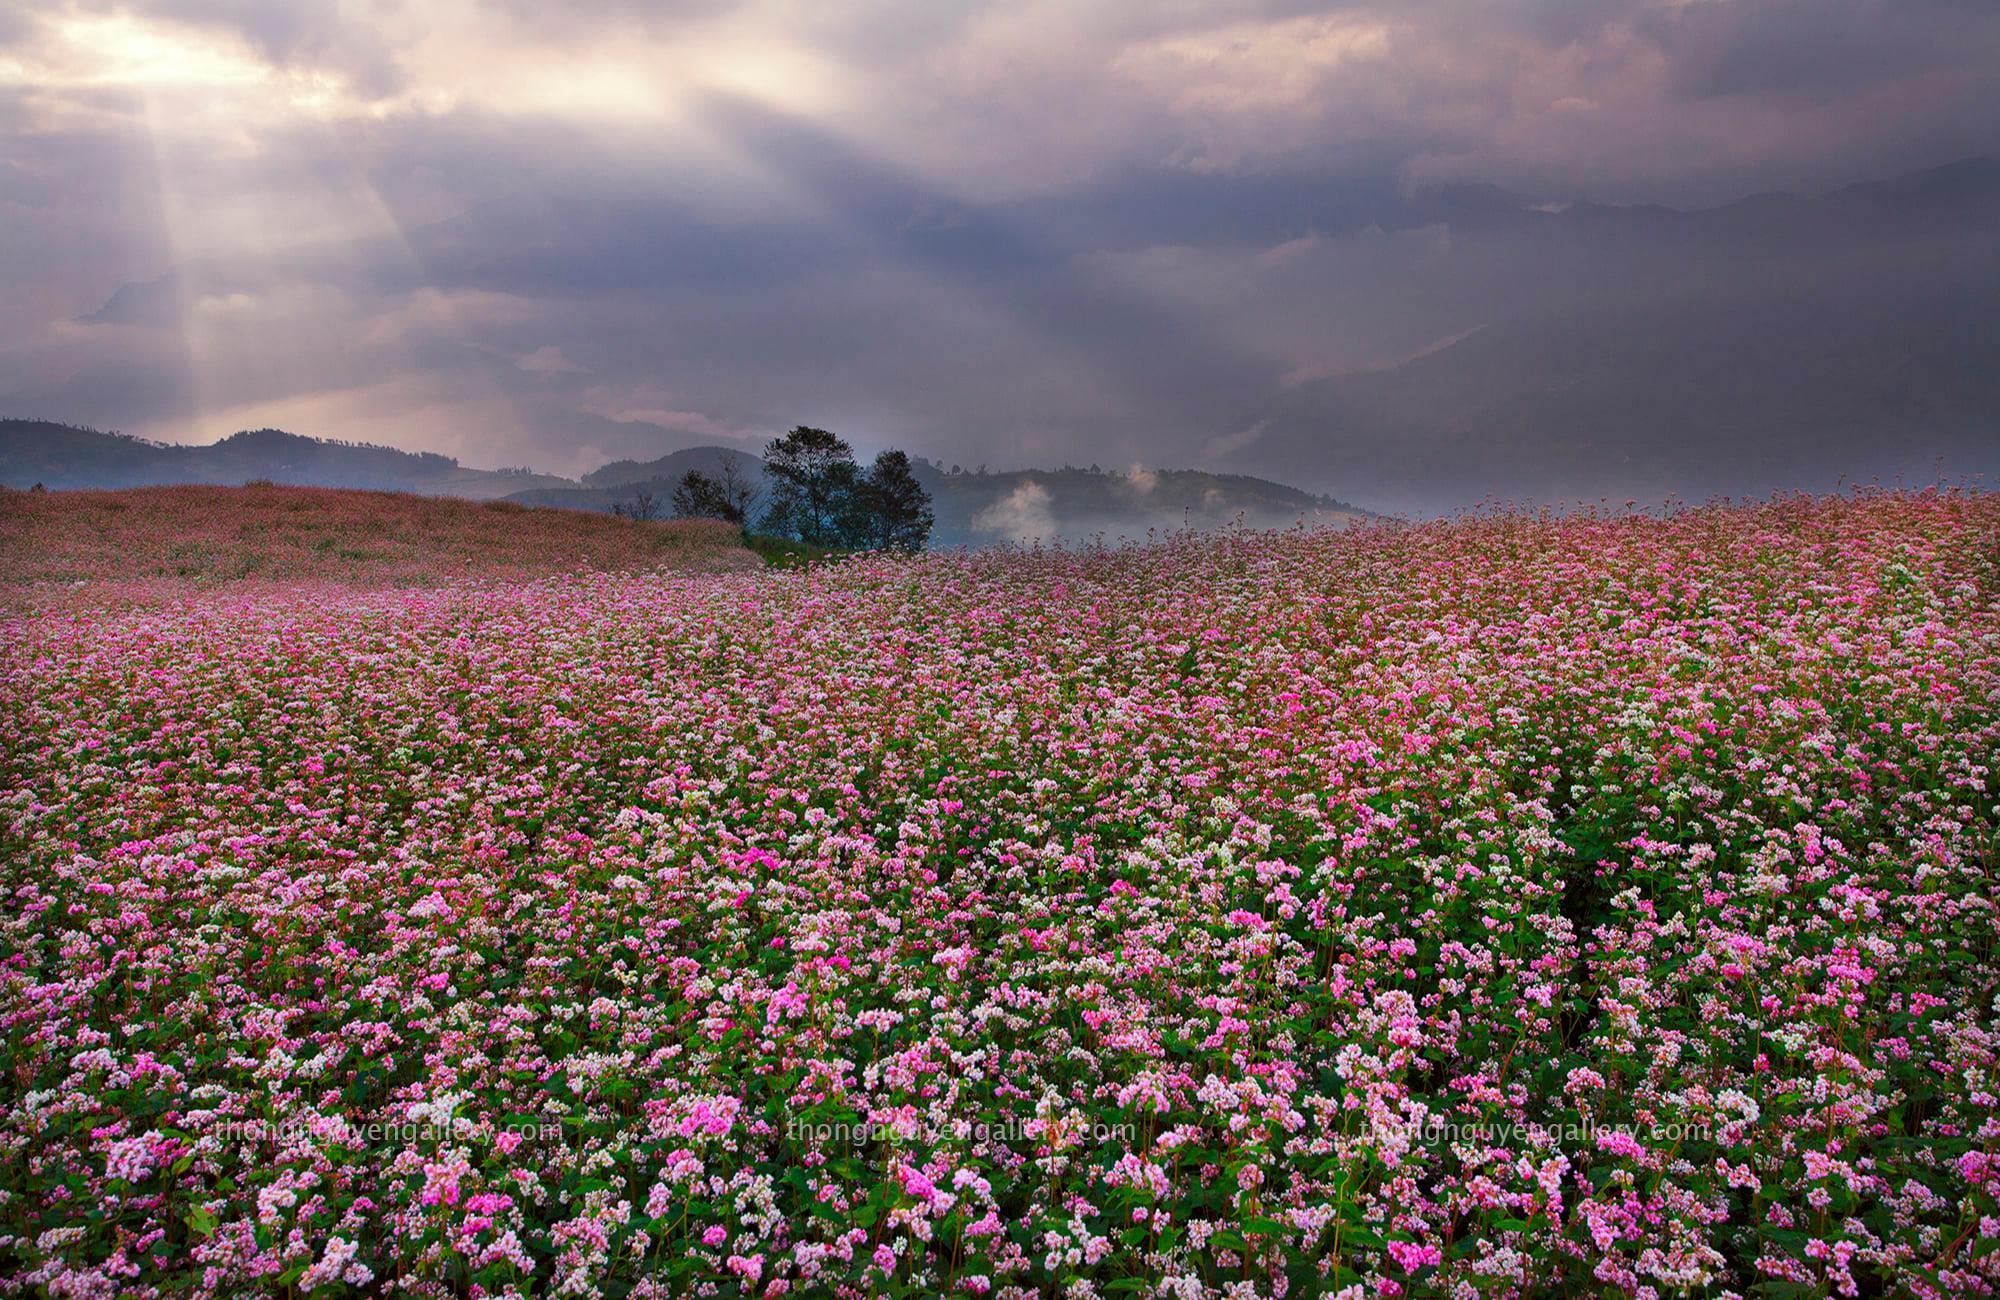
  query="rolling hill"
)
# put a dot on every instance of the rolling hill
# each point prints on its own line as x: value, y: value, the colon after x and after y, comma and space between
x: 973, y: 507
x: 976, y: 508
x: 1779, y: 340
x: 64, y: 456
x: 205, y: 534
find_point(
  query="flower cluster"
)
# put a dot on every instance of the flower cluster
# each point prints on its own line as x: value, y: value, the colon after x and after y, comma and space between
x: 1519, y: 905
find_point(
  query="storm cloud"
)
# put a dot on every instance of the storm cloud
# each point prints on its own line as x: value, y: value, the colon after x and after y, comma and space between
x: 1017, y: 234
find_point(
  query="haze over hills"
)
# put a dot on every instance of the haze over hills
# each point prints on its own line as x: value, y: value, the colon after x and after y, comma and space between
x: 978, y: 507
x: 1489, y: 344
x: 1416, y: 348
x: 1579, y: 349
x: 973, y: 507
x: 64, y: 456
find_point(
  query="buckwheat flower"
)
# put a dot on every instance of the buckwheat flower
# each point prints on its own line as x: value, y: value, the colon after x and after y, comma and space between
x: 1411, y: 1256
x: 1619, y: 1142
x: 1582, y: 1078
x: 131, y: 1159
x: 661, y: 1200
x: 333, y: 1265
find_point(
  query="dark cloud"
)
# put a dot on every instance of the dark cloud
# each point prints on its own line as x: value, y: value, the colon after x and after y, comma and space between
x: 1014, y: 233
x: 1821, y: 52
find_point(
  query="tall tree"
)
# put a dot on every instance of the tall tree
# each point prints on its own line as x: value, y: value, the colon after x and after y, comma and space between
x: 811, y: 474
x: 736, y: 494
x: 727, y: 495
x: 889, y: 507
x: 695, y: 496
x: 643, y: 505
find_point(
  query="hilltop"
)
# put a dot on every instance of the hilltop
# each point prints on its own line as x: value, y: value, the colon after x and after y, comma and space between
x: 980, y: 507
x: 1570, y: 351
x: 66, y: 456
x: 974, y: 507
x: 362, y: 538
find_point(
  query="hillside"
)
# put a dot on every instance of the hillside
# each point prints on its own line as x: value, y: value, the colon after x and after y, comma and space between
x: 976, y: 508
x: 1595, y: 349
x: 1593, y: 403
x: 212, y: 534
x: 623, y: 480
x: 670, y: 467
x: 63, y: 456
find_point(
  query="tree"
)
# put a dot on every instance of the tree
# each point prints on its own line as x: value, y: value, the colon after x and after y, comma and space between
x: 736, y: 495
x: 811, y: 474
x: 889, y: 507
x: 695, y: 497
x: 728, y: 494
x: 817, y: 494
x: 643, y: 505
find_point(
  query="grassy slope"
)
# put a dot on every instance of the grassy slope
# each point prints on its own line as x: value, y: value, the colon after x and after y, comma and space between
x: 784, y: 553
x: 261, y: 532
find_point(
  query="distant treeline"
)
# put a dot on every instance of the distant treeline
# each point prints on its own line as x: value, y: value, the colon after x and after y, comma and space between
x: 813, y: 492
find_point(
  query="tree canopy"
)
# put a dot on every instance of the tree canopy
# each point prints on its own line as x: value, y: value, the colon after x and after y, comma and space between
x: 817, y: 494
x: 726, y: 495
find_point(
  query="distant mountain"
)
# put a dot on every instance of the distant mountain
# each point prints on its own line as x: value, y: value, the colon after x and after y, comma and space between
x: 623, y: 481
x: 1754, y: 391
x: 973, y: 508
x: 1075, y: 505
x: 63, y: 456
x: 670, y: 468
x: 976, y: 508
x: 1801, y: 391
x: 1588, y: 349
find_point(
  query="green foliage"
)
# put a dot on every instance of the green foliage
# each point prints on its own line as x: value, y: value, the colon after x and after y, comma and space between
x: 812, y: 473
x: 789, y: 552
x: 818, y: 495
x: 888, y: 507
x: 724, y: 495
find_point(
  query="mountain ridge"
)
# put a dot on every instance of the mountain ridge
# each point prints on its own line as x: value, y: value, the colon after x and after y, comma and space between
x: 973, y: 507
x: 1787, y: 340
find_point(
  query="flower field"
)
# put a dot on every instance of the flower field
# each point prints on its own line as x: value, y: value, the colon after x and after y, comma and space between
x: 1514, y: 906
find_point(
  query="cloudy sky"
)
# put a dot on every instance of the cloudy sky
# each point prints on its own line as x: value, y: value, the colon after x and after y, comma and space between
x: 1012, y: 233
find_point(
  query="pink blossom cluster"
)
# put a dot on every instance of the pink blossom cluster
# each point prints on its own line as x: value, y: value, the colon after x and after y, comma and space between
x: 1518, y: 905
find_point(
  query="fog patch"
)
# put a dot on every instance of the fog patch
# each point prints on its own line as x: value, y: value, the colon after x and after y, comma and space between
x: 1023, y: 515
